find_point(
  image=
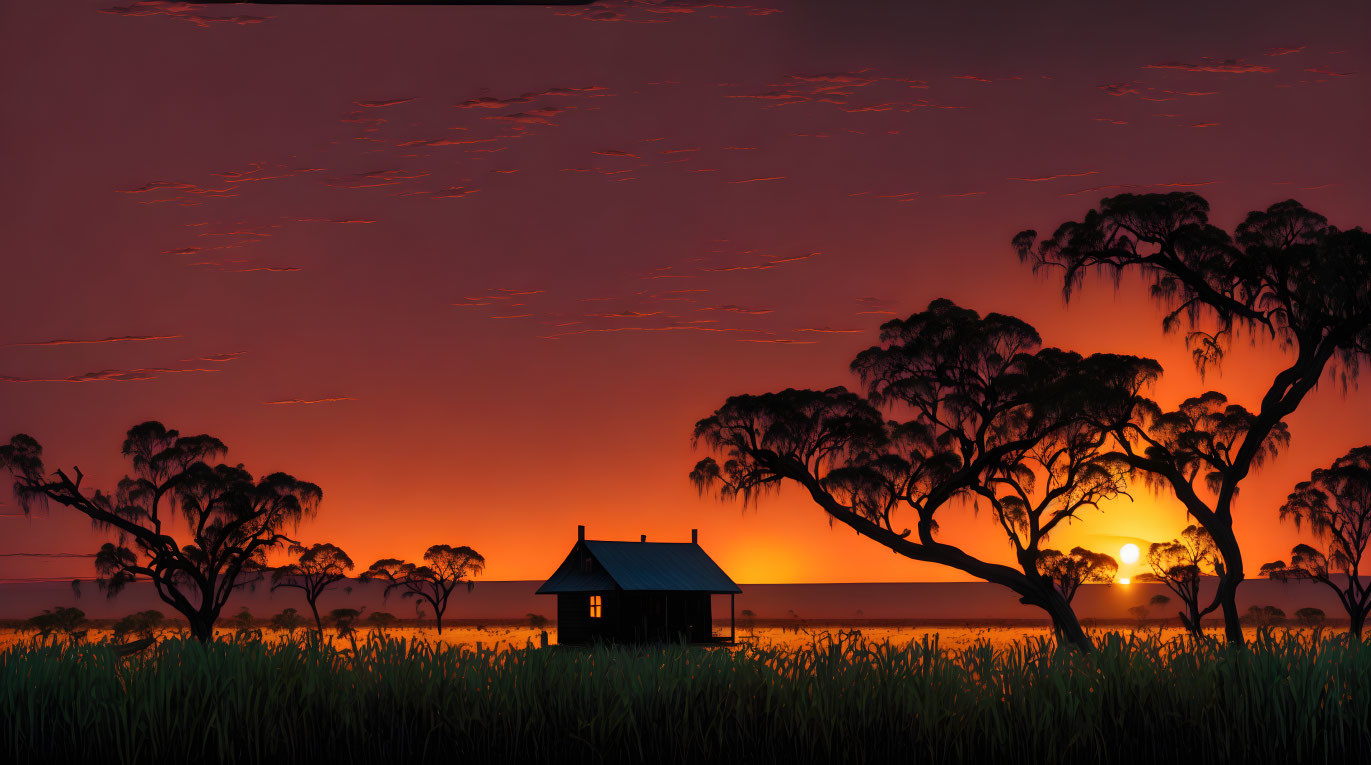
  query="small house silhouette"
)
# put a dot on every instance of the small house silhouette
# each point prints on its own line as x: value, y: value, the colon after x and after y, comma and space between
x: 637, y: 592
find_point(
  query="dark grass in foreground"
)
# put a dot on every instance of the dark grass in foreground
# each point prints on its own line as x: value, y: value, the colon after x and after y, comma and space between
x: 1283, y: 698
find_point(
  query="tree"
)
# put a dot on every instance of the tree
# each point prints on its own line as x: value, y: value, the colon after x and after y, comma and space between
x: 380, y: 621
x: 245, y: 626
x: 289, y: 620
x: 989, y: 416
x: 1336, y: 505
x: 233, y: 519
x: 142, y: 623
x: 1181, y: 565
x: 1310, y: 617
x: 748, y: 621
x: 68, y: 621
x: 1068, y: 571
x: 537, y: 621
x: 1265, y: 616
x: 317, y: 568
x: 447, y: 567
x: 345, y: 620
x: 1284, y: 274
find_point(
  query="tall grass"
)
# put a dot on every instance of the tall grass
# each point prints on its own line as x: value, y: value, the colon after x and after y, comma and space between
x: 841, y: 699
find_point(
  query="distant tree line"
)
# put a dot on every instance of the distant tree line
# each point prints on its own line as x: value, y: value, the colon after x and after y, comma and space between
x: 234, y: 521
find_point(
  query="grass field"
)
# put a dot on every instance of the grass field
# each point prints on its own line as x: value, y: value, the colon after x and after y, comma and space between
x: 839, y: 697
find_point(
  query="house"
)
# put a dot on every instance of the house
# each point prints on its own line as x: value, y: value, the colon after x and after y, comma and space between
x: 636, y: 592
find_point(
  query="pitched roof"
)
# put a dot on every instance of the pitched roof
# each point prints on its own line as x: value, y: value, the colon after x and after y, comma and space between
x: 671, y: 566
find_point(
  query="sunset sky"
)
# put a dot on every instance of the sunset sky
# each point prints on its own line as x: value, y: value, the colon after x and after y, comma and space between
x: 478, y: 271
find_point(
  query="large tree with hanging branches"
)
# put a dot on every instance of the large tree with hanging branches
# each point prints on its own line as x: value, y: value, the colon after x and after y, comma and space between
x: 981, y: 414
x: 1284, y: 275
x: 228, y: 520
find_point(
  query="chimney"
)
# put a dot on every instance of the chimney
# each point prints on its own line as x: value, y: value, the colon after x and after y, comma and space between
x: 695, y: 536
x: 581, y: 533
x: 643, y: 538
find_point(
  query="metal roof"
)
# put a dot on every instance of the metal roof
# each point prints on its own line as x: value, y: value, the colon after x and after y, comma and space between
x: 652, y: 566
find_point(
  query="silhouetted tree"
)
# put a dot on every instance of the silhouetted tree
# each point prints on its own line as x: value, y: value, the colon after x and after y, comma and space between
x: 1265, y: 616
x: 1336, y: 505
x: 537, y: 621
x: 1181, y: 564
x: 381, y: 621
x: 142, y: 623
x: 245, y: 626
x: 233, y: 519
x: 990, y: 417
x: 345, y: 620
x: 447, y: 567
x: 61, y: 619
x: 1284, y: 274
x: 1310, y: 617
x: 1068, y: 571
x: 318, y: 567
x: 748, y: 621
x: 289, y: 620
x: 1139, y: 613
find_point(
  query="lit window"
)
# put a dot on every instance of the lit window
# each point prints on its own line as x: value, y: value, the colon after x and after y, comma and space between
x: 595, y: 606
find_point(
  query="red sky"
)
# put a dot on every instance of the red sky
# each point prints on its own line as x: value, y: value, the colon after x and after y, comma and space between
x: 512, y: 254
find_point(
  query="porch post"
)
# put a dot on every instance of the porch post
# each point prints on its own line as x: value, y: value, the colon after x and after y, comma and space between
x: 732, y: 635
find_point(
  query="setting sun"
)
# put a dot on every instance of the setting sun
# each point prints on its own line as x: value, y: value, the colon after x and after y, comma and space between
x: 1128, y: 554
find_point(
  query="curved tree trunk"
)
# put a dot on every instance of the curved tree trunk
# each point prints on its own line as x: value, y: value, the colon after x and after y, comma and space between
x: 318, y: 623
x: 1065, y: 623
x: 1227, y: 594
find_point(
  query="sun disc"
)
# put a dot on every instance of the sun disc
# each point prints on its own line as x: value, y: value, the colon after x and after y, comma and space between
x: 1129, y: 553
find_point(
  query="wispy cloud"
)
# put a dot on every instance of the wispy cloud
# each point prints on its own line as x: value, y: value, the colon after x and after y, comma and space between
x: 308, y: 401
x: 1222, y: 66
x: 95, y: 341
x: 189, y: 12
x: 113, y: 375
x: 1056, y: 176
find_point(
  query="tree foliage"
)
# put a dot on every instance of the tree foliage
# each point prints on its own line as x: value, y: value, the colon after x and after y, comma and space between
x: 289, y: 620
x: 317, y: 568
x: 984, y: 415
x: 1068, y: 571
x: 1284, y: 274
x: 63, y: 620
x: 447, y: 568
x: 232, y: 519
x: 1181, y: 565
x: 143, y: 624
x: 1335, y: 504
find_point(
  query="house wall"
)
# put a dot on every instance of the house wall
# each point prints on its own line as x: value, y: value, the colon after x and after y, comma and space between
x: 634, y: 617
x: 573, y: 619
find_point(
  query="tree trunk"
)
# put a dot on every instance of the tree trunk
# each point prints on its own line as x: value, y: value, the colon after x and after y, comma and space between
x: 201, y: 627
x: 318, y: 623
x: 1192, y: 621
x: 1227, y: 594
x: 1358, y: 623
x: 438, y: 619
x: 1064, y: 622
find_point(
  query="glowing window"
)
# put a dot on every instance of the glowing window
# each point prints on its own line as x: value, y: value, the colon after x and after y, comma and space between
x: 595, y: 606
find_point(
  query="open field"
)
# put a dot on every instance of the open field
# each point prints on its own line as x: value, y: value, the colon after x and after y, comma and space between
x: 838, y: 697
x: 778, y: 634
